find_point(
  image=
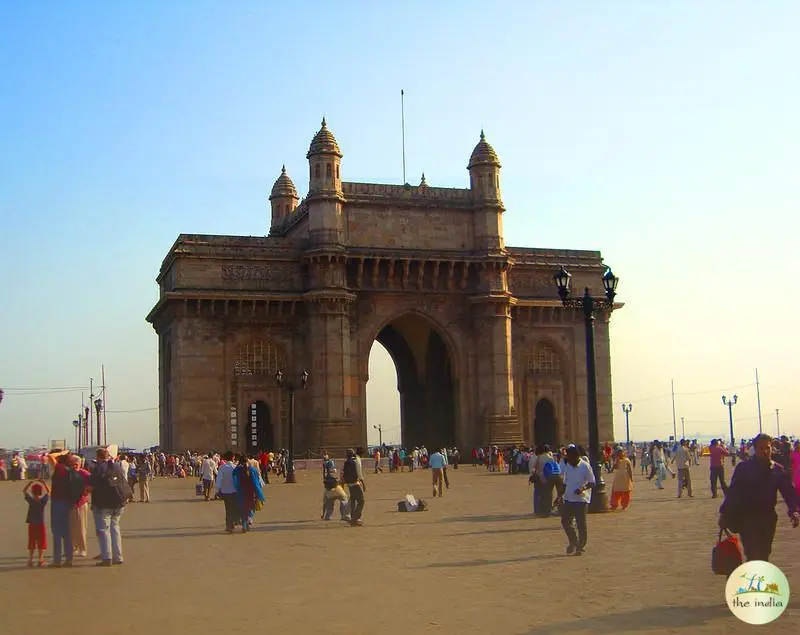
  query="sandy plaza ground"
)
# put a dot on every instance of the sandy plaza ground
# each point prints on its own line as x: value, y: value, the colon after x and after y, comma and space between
x: 477, y: 562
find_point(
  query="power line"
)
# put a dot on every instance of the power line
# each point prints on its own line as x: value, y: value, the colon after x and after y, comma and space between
x: 133, y: 410
x: 685, y: 394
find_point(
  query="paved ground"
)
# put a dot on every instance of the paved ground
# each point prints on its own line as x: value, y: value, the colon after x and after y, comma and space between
x: 476, y: 562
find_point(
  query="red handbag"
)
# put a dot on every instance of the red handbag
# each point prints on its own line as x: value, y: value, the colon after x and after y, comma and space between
x: 727, y: 554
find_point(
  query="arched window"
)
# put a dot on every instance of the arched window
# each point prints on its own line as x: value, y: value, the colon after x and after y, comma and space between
x: 328, y: 170
x: 258, y: 357
x: 544, y: 360
x: 337, y: 173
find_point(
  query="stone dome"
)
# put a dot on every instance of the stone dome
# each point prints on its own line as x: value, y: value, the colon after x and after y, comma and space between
x: 283, y: 186
x: 483, y: 154
x: 324, y: 142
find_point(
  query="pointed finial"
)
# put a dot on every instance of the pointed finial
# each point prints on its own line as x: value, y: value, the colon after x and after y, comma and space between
x: 423, y: 180
x: 323, y: 122
x: 483, y: 136
x: 283, y: 169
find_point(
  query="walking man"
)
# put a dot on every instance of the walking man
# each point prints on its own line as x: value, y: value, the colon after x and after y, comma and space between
x: 683, y: 459
x: 578, y: 483
x: 749, y: 506
x: 353, y: 477
x: 437, y: 462
x: 227, y: 489
x: 716, y: 454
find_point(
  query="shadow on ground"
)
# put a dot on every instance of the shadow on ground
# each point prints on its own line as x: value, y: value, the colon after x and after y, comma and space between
x: 482, y: 562
x: 640, y: 620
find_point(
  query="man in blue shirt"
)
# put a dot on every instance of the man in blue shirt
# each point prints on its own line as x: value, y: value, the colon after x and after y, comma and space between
x: 436, y: 462
x: 749, y: 506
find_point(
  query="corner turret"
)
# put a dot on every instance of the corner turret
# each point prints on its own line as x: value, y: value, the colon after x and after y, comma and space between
x: 484, y: 181
x: 324, y: 160
x: 283, y: 200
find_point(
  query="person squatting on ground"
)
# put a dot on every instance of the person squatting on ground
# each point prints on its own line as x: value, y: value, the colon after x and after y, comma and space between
x: 749, y: 506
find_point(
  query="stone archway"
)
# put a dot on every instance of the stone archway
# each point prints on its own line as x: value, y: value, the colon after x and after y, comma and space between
x: 545, y: 430
x: 425, y: 380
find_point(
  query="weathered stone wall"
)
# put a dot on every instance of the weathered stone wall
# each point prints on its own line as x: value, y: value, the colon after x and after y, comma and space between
x: 408, y: 228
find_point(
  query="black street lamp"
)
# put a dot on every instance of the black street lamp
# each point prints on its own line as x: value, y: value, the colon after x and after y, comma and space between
x: 379, y: 428
x: 77, y: 425
x: 591, y: 305
x: 98, y: 406
x: 291, y: 384
x: 731, y: 403
x: 627, y: 408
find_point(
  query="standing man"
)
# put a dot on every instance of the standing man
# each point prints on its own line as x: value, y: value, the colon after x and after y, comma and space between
x: 227, y: 489
x: 683, y: 459
x: 208, y: 472
x: 716, y: 454
x: 353, y: 477
x: 749, y: 506
x: 578, y: 483
x: 436, y: 462
x: 110, y: 493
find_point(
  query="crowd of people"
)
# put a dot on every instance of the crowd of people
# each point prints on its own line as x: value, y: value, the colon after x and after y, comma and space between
x: 563, y: 482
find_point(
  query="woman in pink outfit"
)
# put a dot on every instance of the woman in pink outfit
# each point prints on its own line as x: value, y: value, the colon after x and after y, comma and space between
x: 796, y: 466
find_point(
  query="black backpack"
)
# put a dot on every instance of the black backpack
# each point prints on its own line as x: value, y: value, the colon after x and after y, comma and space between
x: 112, y: 490
x: 349, y: 471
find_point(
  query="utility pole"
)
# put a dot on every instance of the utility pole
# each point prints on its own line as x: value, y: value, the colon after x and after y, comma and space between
x: 91, y: 399
x: 379, y: 428
x: 758, y: 397
x: 730, y: 403
x: 674, y: 421
x: 683, y: 429
x: 778, y: 420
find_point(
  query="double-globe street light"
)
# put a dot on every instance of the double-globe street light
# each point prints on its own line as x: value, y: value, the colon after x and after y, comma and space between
x: 590, y: 306
x: 731, y: 403
x: 291, y: 384
x: 76, y: 423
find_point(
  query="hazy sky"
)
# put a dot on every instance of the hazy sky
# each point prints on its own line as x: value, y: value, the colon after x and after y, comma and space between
x: 664, y: 133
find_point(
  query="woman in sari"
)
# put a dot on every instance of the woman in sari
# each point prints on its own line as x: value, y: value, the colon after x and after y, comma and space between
x: 623, y: 482
x: 249, y: 493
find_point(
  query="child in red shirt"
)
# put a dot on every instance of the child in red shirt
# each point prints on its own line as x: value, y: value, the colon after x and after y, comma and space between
x: 37, y: 536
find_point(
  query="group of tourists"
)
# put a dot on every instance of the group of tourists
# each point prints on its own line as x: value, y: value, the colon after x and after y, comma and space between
x: 72, y: 485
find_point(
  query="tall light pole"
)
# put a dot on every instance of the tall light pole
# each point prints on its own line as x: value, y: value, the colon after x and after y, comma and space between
x: 290, y: 385
x: 683, y: 429
x: 98, y: 406
x: 589, y: 306
x: 778, y: 420
x: 77, y: 425
x: 627, y: 410
x: 379, y: 428
x: 731, y: 403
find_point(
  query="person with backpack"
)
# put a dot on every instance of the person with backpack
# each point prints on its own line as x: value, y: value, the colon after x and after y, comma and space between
x: 353, y: 477
x: 550, y: 481
x: 110, y: 493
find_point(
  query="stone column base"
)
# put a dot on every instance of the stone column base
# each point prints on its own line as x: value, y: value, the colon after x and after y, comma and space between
x: 502, y: 430
x: 333, y: 435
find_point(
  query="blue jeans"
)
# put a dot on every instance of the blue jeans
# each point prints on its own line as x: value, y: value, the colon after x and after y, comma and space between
x: 59, y: 525
x: 106, y: 524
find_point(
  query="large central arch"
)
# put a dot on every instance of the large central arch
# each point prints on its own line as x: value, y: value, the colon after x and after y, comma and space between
x: 425, y: 380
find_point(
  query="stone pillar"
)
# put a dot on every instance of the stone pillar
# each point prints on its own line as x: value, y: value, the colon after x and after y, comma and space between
x: 333, y: 387
x: 498, y: 421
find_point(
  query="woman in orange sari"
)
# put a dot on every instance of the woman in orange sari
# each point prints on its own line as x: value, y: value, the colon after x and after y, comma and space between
x: 622, y: 486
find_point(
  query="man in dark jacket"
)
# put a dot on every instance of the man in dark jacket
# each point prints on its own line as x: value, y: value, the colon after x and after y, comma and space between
x: 110, y: 493
x: 749, y: 506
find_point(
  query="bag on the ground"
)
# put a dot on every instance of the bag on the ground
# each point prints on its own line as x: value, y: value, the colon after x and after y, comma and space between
x: 411, y: 504
x: 726, y: 554
x: 551, y: 468
x: 349, y: 471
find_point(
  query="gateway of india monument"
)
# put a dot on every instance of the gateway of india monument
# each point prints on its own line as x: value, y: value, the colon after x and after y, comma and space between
x: 483, y: 349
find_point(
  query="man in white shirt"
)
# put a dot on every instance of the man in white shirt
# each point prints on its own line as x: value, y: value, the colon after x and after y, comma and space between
x: 208, y: 472
x: 578, y: 483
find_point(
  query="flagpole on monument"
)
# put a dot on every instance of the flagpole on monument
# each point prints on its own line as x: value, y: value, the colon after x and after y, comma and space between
x: 403, y: 128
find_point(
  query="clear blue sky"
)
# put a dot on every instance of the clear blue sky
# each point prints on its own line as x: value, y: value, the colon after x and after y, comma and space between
x: 665, y: 134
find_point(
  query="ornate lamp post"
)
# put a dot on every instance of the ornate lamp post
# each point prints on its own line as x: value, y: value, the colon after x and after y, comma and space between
x: 731, y: 403
x: 290, y: 385
x: 590, y: 306
x: 379, y: 428
x: 98, y: 406
x: 627, y: 409
x: 77, y: 425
